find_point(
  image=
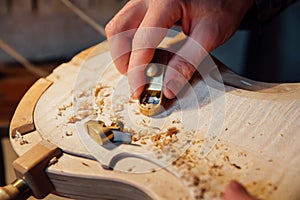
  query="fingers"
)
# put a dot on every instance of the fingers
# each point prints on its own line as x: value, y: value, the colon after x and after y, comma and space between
x: 208, y: 24
x: 235, y: 191
x: 182, y: 66
x: 144, y: 43
x: 146, y: 39
x: 120, y: 31
x: 204, y: 37
x: 120, y: 47
x: 177, y: 74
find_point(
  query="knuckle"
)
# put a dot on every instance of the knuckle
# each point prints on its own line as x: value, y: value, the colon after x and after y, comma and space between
x: 185, y: 68
x: 110, y: 28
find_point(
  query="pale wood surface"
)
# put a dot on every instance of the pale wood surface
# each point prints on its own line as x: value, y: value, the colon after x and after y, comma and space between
x: 259, y: 143
x: 26, y: 108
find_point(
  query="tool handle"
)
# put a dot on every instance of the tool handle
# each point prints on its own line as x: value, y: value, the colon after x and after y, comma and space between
x: 17, y: 190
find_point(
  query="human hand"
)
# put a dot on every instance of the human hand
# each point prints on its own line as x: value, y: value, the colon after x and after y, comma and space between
x: 235, y: 191
x: 208, y: 22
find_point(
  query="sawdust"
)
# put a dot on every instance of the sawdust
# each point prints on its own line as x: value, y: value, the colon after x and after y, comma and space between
x: 19, y: 138
x: 206, y: 178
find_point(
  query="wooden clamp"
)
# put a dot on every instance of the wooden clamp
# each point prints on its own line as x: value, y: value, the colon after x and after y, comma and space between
x: 30, y: 171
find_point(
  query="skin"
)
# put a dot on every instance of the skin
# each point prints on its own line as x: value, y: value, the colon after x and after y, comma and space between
x: 235, y: 191
x: 210, y: 23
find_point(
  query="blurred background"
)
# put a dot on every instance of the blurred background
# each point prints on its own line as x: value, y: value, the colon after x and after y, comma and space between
x: 44, y: 34
x: 41, y: 34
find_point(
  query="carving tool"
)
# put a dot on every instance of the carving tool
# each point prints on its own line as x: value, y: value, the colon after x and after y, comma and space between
x: 103, y: 134
x: 151, y: 100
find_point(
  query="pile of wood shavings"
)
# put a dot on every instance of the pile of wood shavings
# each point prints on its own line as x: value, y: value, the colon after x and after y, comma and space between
x: 152, y: 138
x: 83, y: 105
x: 208, y: 177
x: 63, y: 108
x: 103, y: 108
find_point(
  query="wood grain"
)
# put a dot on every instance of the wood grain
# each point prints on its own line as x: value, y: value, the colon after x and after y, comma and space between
x: 258, y: 145
x: 22, y: 121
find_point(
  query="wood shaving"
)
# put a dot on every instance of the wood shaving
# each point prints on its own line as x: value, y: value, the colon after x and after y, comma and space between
x: 206, y: 178
x: 176, y: 121
x: 68, y: 133
x: 73, y: 119
x: 99, y: 88
x: 19, y: 138
x: 64, y: 107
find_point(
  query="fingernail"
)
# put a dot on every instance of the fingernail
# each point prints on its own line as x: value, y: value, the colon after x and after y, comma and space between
x: 133, y: 95
x: 237, y: 186
x: 172, y: 88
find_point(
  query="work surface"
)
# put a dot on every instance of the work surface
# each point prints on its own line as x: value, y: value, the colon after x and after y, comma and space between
x: 221, y: 133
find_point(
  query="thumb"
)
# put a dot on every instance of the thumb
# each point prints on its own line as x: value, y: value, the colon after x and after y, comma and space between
x: 235, y: 191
